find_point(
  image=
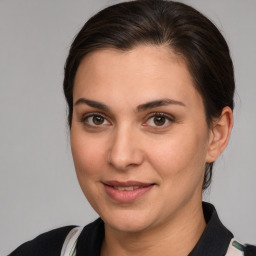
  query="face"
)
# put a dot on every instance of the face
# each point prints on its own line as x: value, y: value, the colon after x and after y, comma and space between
x: 139, y: 137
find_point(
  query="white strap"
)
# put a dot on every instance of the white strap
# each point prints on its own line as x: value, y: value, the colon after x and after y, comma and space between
x: 235, y: 249
x: 69, y: 246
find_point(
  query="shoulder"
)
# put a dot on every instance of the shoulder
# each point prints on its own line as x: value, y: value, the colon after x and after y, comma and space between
x: 91, y: 238
x: 49, y: 243
x: 250, y: 250
x: 237, y: 249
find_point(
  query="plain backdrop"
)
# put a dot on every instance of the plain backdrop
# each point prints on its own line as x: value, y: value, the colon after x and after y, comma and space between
x: 38, y: 187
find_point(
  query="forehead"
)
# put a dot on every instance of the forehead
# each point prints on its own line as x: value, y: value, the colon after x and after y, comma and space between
x: 144, y: 72
x: 150, y: 58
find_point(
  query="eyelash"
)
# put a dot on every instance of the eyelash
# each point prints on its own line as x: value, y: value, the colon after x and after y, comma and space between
x: 168, y: 118
x: 85, y: 118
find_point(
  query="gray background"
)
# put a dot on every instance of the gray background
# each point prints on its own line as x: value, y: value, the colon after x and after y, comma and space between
x: 38, y: 186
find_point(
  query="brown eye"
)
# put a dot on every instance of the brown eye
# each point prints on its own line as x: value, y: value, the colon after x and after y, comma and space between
x: 95, y: 120
x: 159, y: 120
x: 98, y: 120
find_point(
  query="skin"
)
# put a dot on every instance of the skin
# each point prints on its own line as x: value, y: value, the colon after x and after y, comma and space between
x: 128, y: 143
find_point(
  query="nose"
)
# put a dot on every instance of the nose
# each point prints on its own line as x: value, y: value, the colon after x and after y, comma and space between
x: 124, y: 151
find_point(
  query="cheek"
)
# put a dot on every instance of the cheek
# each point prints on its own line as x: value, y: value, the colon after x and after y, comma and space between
x: 180, y: 158
x: 88, y: 154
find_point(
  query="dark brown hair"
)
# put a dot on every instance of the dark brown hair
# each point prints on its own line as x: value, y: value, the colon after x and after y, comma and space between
x: 156, y: 22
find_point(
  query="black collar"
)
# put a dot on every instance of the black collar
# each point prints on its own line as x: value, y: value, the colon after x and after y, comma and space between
x: 213, y: 242
x: 215, y: 238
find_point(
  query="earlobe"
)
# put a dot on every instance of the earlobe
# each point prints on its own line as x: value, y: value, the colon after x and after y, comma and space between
x: 219, y: 134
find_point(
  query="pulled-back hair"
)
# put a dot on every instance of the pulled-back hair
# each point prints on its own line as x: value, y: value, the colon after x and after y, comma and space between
x: 158, y: 22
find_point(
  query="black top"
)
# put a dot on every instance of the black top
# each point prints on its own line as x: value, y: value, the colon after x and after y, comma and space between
x: 213, y: 242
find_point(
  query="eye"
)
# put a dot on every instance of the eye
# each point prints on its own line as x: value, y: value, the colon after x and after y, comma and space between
x: 159, y: 120
x: 95, y: 120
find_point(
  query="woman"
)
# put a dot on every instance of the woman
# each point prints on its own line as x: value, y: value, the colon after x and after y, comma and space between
x: 149, y: 86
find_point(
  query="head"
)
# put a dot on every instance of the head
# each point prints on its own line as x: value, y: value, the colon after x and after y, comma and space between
x: 140, y: 26
x: 181, y: 28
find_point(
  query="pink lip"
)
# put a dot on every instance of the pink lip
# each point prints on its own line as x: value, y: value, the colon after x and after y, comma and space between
x: 126, y: 196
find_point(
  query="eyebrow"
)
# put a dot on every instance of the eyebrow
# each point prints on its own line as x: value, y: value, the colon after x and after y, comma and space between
x: 92, y: 103
x: 140, y: 108
x: 159, y: 103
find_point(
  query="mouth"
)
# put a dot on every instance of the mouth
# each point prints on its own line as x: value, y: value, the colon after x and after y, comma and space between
x: 125, y: 192
x: 126, y: 188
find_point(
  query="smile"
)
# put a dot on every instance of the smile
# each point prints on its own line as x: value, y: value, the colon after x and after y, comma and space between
x: 126, y: 188
x: 126, y: 192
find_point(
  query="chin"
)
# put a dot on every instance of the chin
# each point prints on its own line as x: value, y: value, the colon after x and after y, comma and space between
x: 128, y: 221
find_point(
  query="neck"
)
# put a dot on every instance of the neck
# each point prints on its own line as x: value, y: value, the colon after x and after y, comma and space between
x: 177, y: 237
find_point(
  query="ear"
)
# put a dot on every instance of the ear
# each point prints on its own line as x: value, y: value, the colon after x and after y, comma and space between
x: 219, y: 134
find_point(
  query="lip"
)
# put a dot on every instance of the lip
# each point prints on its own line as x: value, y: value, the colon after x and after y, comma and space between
x: 126, y: 196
